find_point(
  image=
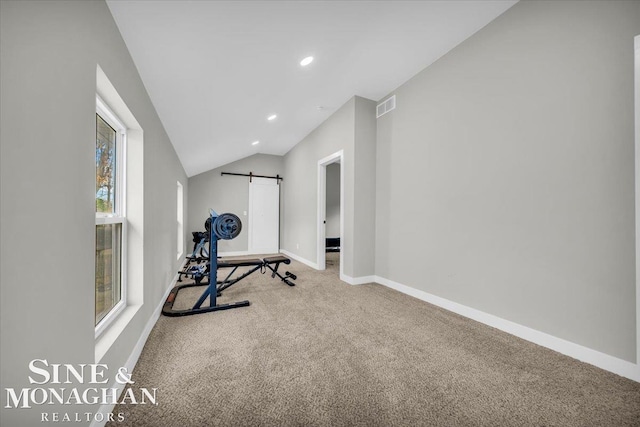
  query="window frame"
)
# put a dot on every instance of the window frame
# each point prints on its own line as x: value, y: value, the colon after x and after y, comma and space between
x: 180, y: 220
x: 119, y: 214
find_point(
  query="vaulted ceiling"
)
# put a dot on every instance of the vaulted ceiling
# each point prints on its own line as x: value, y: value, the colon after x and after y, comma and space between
x: 216, y: 70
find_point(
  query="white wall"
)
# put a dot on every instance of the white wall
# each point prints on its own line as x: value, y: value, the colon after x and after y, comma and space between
x: 505, y: 177
x: 50, y: 51
x: 211, y: 190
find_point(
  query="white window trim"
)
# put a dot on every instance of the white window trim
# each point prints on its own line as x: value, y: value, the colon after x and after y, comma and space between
x: 180, y: 219
x: 119, y: 216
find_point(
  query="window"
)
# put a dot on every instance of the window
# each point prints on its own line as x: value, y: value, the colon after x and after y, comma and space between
x: 111, y: 223
x: 180, y: 221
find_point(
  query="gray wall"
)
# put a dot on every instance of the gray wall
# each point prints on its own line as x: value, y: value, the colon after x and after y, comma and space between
x: 299, y: 235
x: 210, y: 190
x: 352, y: 129
x: 333, y: 200
x: 505, y: 177
x: 365, y: 188
x: 49, y: 54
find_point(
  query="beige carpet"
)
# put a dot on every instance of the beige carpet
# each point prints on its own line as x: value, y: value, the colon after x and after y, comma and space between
x: 325, y: 353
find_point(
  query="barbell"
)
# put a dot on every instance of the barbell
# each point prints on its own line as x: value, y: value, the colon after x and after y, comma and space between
x: 226, y: 226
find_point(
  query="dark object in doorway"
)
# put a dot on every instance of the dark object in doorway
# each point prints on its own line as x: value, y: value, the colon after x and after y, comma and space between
x: 332, y: 244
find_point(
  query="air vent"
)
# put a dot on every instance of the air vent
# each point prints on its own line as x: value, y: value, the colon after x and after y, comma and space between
x: 386, y: 106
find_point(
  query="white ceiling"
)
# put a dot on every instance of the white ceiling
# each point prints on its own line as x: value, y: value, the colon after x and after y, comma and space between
x: 216, y: 69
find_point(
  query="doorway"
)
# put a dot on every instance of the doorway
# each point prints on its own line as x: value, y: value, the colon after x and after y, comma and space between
x: 332, y: 218
x: 330, y: 247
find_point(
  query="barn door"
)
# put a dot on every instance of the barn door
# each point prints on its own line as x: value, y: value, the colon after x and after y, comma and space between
x: 264, y: 216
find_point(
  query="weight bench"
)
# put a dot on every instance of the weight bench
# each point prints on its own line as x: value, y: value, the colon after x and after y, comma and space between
x: 215, y: 287
x: 277, y: 260
x: 272, y: 263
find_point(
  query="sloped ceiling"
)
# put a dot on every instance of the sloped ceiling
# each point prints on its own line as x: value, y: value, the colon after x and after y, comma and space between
x: 215, y: 70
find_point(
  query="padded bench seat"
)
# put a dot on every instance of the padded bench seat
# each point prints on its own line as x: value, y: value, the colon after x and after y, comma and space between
x: 277, y: 259
x: 239, y: 263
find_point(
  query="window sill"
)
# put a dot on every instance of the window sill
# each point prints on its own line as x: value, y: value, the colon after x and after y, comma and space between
x: 113, y: 331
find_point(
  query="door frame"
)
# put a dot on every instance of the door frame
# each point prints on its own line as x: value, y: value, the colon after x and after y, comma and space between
x: 637, y: 190
x: 337, y: 157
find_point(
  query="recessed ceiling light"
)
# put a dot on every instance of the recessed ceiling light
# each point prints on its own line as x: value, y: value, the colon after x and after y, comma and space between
x: 306, y: 61
x: 255, y: 143
x: 272, y: 117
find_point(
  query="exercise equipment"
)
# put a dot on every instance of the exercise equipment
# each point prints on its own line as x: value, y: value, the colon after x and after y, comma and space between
x: 290, y: 274
x: 200, y: 240
x: 226, y: 226
x: 277, y: 260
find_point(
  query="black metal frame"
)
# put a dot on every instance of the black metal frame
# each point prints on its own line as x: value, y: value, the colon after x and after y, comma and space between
x: 251, y: 175
x: 274, y: 271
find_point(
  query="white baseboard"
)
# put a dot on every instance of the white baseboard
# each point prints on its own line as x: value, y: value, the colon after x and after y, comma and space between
x: 601, y: 360
x: 105, y: 410
x: 348, y: 279
x: 299, y: 259
x: 358, y: 280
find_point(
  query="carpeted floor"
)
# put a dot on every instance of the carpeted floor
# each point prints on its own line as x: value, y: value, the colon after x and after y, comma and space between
x: 325, y: 353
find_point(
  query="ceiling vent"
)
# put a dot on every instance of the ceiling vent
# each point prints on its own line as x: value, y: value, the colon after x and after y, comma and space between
x: 386, y: 106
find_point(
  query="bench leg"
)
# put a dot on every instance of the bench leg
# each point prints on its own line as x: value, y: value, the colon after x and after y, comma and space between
x: 275, y: 273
